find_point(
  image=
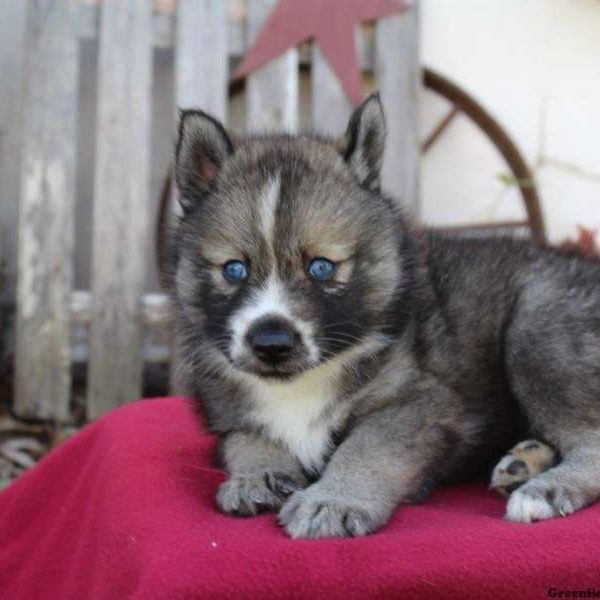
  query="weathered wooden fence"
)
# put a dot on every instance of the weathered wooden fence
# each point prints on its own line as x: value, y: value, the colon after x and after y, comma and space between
x: 39, y: 62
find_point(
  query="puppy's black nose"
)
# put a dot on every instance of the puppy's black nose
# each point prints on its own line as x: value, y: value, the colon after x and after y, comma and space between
x: 272, y: 340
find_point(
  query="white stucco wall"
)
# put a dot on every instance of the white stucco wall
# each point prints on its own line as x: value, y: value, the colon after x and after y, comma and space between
x: 535, y: 64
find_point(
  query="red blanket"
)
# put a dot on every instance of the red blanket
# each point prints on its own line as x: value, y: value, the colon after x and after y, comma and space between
x: 126, y: 510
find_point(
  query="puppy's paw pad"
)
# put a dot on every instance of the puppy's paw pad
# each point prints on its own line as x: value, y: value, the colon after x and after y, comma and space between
x: 255, y: 493
x: 509, y: 474
x: 536, y: 501
x: 526, y: 460
x: 308, y: 515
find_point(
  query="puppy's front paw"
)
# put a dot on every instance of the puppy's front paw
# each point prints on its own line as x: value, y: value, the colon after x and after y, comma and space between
x: 250, y: 494
x: 526, y: 460
x: 538, y: 500
x: 313, y: 513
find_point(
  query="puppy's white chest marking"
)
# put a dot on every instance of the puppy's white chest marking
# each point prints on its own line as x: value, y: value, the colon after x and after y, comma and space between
x: 303, y: 413
x: 294, y: 414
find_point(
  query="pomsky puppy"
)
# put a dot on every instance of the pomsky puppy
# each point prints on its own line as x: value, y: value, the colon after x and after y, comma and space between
x: 349, y: 363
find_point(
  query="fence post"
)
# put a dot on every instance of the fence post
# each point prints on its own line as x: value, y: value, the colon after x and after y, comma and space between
x: 43, y: 365
x: 12, y: 30
x: 201, y: 66
x: 331, y: 107
x: 121, y: 204
x: 398, y: 73
x: 201, y: 81
x: 273, y: 90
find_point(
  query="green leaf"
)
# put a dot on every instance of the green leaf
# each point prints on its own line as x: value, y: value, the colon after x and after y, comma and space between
x: 509, y: 180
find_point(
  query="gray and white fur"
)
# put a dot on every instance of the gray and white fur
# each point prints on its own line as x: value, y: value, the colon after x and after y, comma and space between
x: 419, y: 359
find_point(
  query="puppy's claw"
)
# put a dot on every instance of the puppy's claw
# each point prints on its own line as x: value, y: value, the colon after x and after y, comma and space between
x: 250, y: 494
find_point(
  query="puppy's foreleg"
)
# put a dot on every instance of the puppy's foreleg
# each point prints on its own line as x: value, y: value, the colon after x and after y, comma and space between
x: 387, y: 458
x: 263, y: 474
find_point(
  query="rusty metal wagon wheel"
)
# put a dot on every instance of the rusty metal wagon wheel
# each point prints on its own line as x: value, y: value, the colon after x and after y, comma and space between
x: 461, y: 103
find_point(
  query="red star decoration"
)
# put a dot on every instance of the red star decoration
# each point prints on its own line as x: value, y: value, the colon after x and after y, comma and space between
x: 330, y: 23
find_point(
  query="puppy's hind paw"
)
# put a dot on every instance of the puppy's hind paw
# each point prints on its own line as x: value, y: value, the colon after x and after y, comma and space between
x: 539, y: 500
x: 526, y: 460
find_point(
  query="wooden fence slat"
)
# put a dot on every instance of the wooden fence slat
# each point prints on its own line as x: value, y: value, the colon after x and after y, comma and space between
x: 201, y: 72
x: 12, y: 29
x: 272, y: 99
x: 331, y: 107
x: 121, y: 203
x: 201, y: 80
x: 43, y: 366
x: 398, y: 74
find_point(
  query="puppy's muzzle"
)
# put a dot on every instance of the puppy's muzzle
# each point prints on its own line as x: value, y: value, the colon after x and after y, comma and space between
x: 273, y: 340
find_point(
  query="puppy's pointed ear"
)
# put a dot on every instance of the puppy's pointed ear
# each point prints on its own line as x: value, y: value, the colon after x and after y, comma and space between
x: 364, y: 141
x: 202, y: 148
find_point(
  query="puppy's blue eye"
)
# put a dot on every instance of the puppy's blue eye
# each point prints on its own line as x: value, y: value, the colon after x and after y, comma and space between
x: 321, y: 269
x: 235, y: 271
